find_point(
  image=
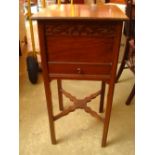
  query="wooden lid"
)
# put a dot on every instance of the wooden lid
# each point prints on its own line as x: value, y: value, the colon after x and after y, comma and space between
x: 80, y: 11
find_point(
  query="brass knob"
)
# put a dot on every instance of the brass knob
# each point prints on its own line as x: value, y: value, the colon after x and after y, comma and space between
x: 79, y: 70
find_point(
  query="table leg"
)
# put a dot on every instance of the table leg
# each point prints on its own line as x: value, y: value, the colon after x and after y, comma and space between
x: 60, y: 94
x: 50, y: 110
x: 107, y: 114
x: 101, y: 109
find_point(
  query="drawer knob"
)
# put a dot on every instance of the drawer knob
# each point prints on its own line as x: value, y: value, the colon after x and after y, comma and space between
x: 79, y: 70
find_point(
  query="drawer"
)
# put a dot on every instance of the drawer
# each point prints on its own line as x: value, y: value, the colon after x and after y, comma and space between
x: 79, y: 68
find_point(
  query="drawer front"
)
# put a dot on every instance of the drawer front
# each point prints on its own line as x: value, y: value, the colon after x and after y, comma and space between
x: 81, y: 69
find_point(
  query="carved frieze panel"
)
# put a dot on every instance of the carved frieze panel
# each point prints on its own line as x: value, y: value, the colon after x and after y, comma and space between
x: 79, y: 29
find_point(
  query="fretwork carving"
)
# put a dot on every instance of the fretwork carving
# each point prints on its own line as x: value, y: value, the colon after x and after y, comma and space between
x: 73, y: 29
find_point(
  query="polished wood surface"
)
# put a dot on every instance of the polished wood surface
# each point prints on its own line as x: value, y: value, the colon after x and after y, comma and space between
x: 77, y: 11
x: 80, y: 42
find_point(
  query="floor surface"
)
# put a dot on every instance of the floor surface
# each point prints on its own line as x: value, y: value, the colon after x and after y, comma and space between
x: 77, y: 133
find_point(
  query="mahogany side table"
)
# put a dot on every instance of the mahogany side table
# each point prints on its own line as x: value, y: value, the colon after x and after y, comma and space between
x: 79, y: 42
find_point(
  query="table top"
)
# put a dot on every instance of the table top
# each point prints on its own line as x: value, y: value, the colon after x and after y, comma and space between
x: 80, y: 11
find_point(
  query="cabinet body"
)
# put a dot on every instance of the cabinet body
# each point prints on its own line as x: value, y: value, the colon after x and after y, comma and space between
x: 80, y: 49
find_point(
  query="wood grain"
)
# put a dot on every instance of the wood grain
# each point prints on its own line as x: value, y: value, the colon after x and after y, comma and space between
x: 81, y: 11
